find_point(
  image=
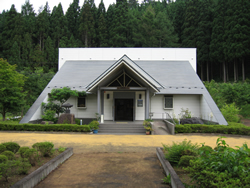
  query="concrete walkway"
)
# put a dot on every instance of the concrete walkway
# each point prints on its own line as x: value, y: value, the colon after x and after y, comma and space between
x: 116, y: 143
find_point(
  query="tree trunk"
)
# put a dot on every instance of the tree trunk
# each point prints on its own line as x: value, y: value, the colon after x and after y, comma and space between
x: 202, y: 72
x: 227, y: 71
x: 86, y: 40
x: 224, y: 72
x: 207, y: 71
x: 235, y: 78
x: 243, y: 70
x: 4, y: 113
x: 212, y: 75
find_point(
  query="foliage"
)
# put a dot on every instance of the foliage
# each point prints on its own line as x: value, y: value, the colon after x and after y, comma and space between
x: 23, y: 166
x: 49, y: 115
x: 230, y: 112
x: 185, y: 160
x: 61, y: 95
x: 185, y: 113
x: 9, y: 154
x: 174, y: 152
x: 31, y: 155
x: 77, y: 121
x: 61, y: 149
x: 2, y: 148
x: 22, y: 150
x: 11, y: 88
x: 232, y: 128
x: 8, y: 169
x: 45, y: 148
x: 11, y: 146
x: 224, y: 167
x: 167, y: 179
x: 40, y: 127
x: 3, y: 159
x: 94, y: 125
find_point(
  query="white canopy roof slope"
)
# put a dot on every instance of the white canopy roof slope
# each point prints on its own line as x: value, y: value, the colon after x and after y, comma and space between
x: 161, y: 75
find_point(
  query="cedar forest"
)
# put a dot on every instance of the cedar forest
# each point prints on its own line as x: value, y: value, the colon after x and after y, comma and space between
x: 219, y: 29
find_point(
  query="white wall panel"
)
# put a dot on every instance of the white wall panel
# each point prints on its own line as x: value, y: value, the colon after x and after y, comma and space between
x: 187, y: 54
x: 108, y: 105
x: 192, y: 102
x: 140, y: 111
x: 88, y: 112
x: 206, y: 112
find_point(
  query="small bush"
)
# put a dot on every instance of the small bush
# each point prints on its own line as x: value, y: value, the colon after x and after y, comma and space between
x: 8, y: 169
x: 23, y: 166
x: 9, y: 154
x: 94, y: 125
x: 22, y: 150
x: 31, y: 155
x: 3, y: 159
x: 174, y: 151
x: 205, y: 150
x: 230, y: 112
x: 185, y: 160
x: 77, y: 121
x: 245, y: 111
x: 12, y: 146
x: 45, y: 148
x: 189, y: 152
x: 49, y: 115
x: 2, y: 148
x: 61, y: 149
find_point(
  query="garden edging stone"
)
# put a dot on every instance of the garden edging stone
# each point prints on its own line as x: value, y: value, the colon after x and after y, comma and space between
x: 38, y: 175
x: 175, y: 180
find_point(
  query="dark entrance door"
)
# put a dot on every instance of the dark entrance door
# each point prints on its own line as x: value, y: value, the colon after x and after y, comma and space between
x: 124, y: 109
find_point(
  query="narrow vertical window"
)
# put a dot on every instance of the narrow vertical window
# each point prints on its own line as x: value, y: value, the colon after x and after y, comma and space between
x: 168, y: 101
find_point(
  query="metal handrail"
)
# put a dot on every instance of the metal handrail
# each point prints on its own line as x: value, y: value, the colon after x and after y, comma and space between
x: 151, y: 114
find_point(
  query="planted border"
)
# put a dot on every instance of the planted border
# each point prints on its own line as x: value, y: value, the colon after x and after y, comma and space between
x: 40, y: 127
x: 38, y: 175
x: 168, y: 169
x: 235, y: 128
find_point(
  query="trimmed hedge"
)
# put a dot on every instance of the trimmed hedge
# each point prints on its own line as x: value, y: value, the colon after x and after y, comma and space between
x: 232, y: 128
x: 39, y: 127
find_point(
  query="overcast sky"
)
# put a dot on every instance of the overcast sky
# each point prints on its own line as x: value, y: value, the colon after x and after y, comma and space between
x: 6, y: 4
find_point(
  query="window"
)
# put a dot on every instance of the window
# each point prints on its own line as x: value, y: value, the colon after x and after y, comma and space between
x: 81, y: 102
x: 168, y: 101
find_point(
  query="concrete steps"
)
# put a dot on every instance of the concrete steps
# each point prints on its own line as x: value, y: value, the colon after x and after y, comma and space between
x: 121, y: 129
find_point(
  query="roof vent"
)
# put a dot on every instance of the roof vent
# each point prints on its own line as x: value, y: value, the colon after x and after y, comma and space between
x: 176, y: 87
x: 195, y: 87
x: 138, y: 58
x: 48, y: 87
x: 114, y: 57
x: 189, y: 88
x: 202, y: 88
x: 55, y: 86
x: 163, y: 58
x: 182, y: 87
x: 170, y: 87
x: 60, y: 87
x: 90, y: 58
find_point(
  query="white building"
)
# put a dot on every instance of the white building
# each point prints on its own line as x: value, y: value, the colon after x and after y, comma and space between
x: 128, y: 84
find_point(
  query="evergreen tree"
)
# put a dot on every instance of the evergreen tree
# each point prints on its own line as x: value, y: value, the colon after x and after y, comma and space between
x: 165, y: 31
x: 217, y: 44
x: 72, y: 16
x: 49, y: 53
x: 189, y: 35
x: 203, y: 34
x: 15, y: 54
x: 86, y: 28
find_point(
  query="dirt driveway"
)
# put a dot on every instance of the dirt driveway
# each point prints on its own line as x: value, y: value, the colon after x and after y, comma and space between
x: 107, y: 170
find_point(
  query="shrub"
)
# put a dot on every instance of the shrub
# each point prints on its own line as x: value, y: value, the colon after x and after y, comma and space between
x: 45, y: 148
x: 2, y: 148
x: 8, y: 169
x: 3, y: 159
x: 77, y: 121
x: 49, y: 115
x: 94, y: 125
x: 9, y: 154
x: 61, y: 149
x: 185, y: 160
x: 230, y: 112
x: 23, y: 166
x: 32, y: 155
x: 224, y: 167
x: 174, y: 151
x: 22, y: 150
x: 12, y: 146
x: 39, y: 127
x: 245, y: 111
x: 205, y: 150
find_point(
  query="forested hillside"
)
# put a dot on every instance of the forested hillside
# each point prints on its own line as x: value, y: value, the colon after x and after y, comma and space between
x: 219, y: 29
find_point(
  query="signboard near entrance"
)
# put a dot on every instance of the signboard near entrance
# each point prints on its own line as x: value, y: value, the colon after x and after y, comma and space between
x: 139, y: 103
